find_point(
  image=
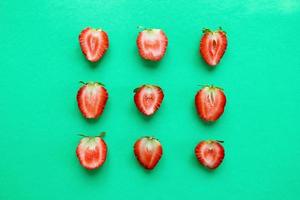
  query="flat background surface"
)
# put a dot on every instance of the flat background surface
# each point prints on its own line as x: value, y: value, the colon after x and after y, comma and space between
x: 41, y: 64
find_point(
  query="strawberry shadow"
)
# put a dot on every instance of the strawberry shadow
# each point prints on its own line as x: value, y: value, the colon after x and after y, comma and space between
x: 88, y: 120
x: 151, y: 64
x: 94, y: 172
x: 142, y: 169
x: 148, y: 63
x: 94, y: 65
x: 205, y: 123
x: 200, y: 62
x: 145, y: 118
x: 91, y: 121
x: 91, y: 172
x: 197, y: 164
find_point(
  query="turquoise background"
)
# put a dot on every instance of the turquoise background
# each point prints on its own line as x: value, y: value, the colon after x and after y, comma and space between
x: 41, y: 64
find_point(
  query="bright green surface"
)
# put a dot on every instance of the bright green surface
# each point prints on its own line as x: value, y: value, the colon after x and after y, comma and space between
x: 41, y: 64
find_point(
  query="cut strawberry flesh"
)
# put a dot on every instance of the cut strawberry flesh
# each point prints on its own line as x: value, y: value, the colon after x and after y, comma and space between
x: 148, y: 152
x: 213, y: 46
x: 91, y: 100
x: 152, y: 44
x: 210, y: 103
x: 148, y: 99
x: 210, y: 153
x: 94, y: 43
x: 91, y: 152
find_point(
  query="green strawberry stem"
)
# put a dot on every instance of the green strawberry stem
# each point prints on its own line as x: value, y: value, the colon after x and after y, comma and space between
x: 211, y: 86
x: 150, y: 138
x: 141, y: 28
x: 84, y: 83
x: 220, y: 141
x: 102, y: 134
x: 206, y: 30
x: 100, y: 83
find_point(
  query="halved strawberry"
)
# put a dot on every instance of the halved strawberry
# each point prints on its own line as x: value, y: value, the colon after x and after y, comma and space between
x: 93, y: 43
x: 210, y: 102
x: 91, y: 151
x: 152, y: 44
x: 213, y: 45
x: 148, y: 151
x: 210, y: 153
x: 148, y: 98
x: 91, y: 99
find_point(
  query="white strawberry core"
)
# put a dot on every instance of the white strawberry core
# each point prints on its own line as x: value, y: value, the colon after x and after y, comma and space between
x: 94, y: 41
x: 215, y: 43
x: 149, y: 146
x: 210, y: 96
x: 149, y: 99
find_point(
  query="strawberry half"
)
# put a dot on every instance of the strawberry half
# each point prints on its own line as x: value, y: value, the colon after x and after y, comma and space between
x: 148, y: 152
x: 213, y: 45
x: 210, y: 102
x: 93, y: 43
x: 91, y: 151
x: 152, y: 44
x: 91, y: 99
x: 210, y: 153
x: 148, y: 98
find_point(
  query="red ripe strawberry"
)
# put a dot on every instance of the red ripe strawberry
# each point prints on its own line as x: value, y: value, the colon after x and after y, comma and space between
x: 152, y: 44
x: 213, y: 45
x: 91, y: 151
x: 210, y: 102
x: 91, y: 99
x: 210, y: 153
x: 148, y: 151
x: 93, y: 43
x: 148, y: 98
